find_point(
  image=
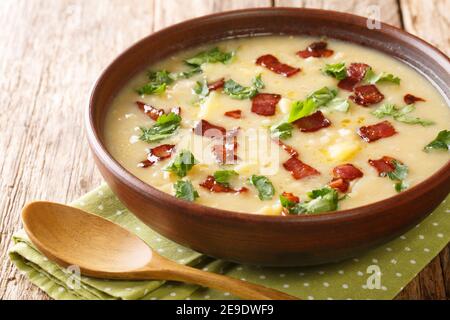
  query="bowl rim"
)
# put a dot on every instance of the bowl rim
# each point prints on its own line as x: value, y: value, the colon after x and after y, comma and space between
x: 194, y: 209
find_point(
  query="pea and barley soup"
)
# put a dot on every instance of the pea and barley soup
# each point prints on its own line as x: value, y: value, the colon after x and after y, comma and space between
x: 280, y: 125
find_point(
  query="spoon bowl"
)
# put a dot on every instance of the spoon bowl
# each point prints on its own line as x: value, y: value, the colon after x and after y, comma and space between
x: 103, y: 249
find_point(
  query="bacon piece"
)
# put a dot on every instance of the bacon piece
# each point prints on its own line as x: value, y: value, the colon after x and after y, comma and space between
x: 207, y: 129
x: 342, y: 175
x: 216, y: 84
x: 291, y: 197
x: 149, y: 110
x: 313, y: 122
x: 410, y: 99
x: 355, y: 73
x: 347, y: 171
x: 292, y: 152
x: 273, y: 64
x: 226, y: 152
x: 316, y: 50
x: 377, y: 131
x: 236, y: 114
x: 383, y: 165
x: 212, y: 185
x: 264, y: 104
x: 366, y: 95
x: 156, y: 154
x: 298, y: 169
x: 340, y: 184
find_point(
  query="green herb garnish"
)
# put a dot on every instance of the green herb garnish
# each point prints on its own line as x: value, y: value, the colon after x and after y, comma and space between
x: 301, y: 109
x: 265, y: 188
x: 282, y: 131
x: 158, y: 81
x: 210, y: 56
x: 337, y: 70
x: 339, y: 104
x: 372, y: 78
x: 237, y: 91
x: 182, y: 163
x: 224, y: 176
x: 400, y: 114
x: 185, y: 190
x: 186, y: 74
x: 320, y: 200
x: 323, y: 96
x: 441, y: 142
x: 201, y: 89
x: 166, y: 125
x: 399, y: 175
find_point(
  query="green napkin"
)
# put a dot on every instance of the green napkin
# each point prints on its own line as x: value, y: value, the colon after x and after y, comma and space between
x: 378, y: 274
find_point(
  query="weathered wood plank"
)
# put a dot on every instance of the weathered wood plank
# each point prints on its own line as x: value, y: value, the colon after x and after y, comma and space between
x: 389, y: 11
x: 50, y: 53
x: 428, y: 20
x: 169, y: 12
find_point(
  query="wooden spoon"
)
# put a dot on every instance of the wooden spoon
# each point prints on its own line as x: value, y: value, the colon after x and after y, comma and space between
x: 103, y: 249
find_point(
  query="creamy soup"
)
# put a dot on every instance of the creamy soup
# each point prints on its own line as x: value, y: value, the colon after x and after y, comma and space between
x: 280, y: 125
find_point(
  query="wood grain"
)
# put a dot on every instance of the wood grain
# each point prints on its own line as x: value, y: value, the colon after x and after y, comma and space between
x: 389, y: 10
x: 50, y: 54
x: 428, y: 20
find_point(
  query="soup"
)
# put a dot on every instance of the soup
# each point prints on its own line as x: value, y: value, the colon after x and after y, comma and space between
x: 280, y: 125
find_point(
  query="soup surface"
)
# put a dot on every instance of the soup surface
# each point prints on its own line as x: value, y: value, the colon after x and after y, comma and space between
x: 280, y: 125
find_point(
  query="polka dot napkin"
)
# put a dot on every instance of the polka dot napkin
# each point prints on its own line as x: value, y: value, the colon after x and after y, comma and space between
x: 378, y: 274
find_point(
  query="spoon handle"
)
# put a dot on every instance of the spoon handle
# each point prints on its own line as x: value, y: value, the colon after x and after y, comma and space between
x: 239, y: 288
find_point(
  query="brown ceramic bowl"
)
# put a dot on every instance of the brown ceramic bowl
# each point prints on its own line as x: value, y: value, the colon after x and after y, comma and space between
x: 257, y: 239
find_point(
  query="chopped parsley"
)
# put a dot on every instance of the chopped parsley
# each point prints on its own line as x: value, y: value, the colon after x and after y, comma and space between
x: 441, y: 142
x: 324, y: 97
x: 213, y: 55
x: 185, y: 190
x: 237, y: 91
x: 166, y: 125
x: 181, y: 165
x: 400, y: 114
x: 265, y: 188
x: 399, y: 175
x: 224, y: 176
x: 201, y: 89
x: 372, y: 78
x: 282, y: 131
x: 320, y: 200
x: 158, y: 82
x: 337, y: 70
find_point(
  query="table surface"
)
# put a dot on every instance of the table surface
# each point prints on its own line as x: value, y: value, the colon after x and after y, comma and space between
x: 52, y: 51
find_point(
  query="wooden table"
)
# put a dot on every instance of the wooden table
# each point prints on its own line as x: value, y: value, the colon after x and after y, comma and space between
x: 52, y: 51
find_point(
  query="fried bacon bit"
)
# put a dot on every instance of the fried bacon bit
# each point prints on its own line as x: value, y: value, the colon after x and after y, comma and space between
x: 410, y: 99
x: 216, y: 84
x: 347, y: 171
x: 292, y: 152
x: 291, y: 197
x: 312, y: 123
x: 236, y: 114
x: 342, y: 175
x: 383, y: 165
x: 207, y: 129
x: 316, y: 50
x: 340, y: 184
x: 226, y: 152
x: 273, y: 64
x: 149, y: 110
x: 156, y: 154
x: 212, y: 185
x: 366, y: 95
x: 298, y: 169
x: 376, y: 131
x: 264, y: 104
x: 355, y: 73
